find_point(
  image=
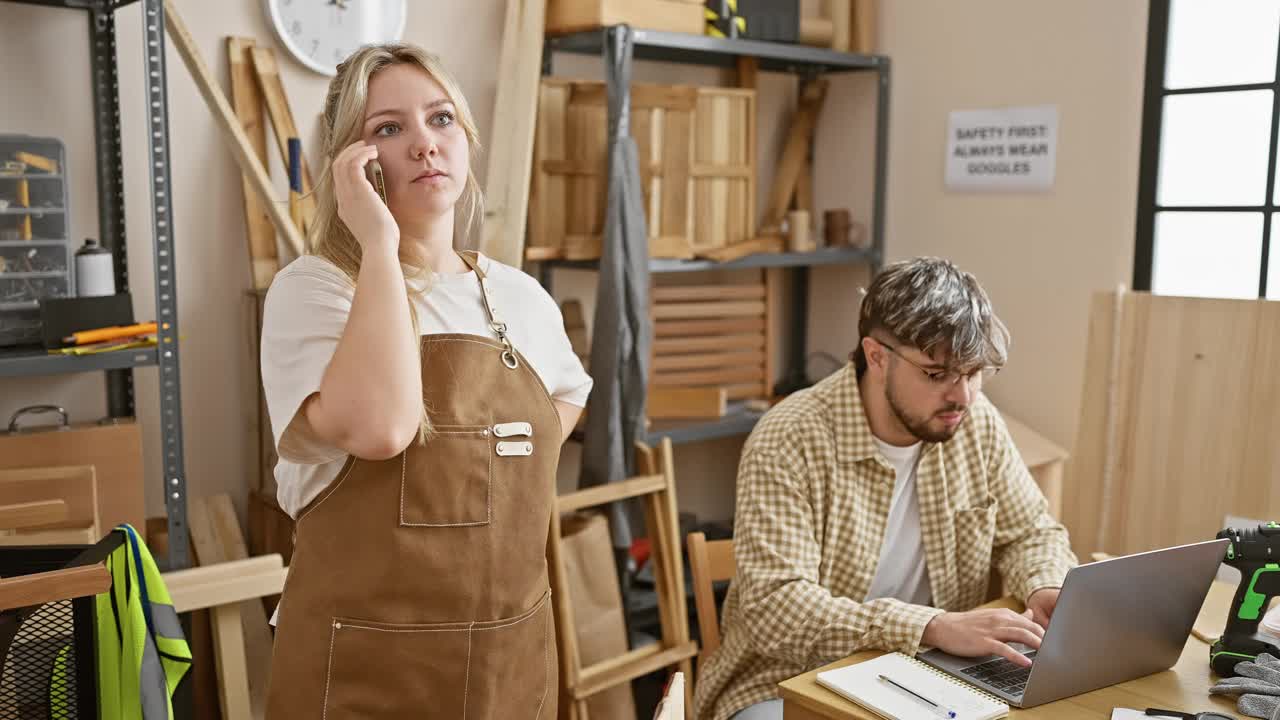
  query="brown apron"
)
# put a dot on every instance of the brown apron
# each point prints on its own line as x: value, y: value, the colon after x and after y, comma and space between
x: 418, y: 586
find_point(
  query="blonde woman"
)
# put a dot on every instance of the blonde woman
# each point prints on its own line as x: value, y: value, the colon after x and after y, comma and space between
x: 419, y: 398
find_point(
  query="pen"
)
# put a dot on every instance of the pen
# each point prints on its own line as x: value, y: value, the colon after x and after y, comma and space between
x: 938, y: 708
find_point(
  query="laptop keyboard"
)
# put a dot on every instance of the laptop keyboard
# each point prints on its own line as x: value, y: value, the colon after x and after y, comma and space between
x: 1001, y: 674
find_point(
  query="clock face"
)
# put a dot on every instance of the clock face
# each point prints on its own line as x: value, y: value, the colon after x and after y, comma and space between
x: 322, y: 33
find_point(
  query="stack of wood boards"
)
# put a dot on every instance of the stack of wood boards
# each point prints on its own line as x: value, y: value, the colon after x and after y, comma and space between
x: 713, y: 338
x: 1177, y: 424
x: 696, y: 147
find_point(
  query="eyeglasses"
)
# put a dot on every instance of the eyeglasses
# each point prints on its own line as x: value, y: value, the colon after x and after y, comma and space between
x: 946, y: 378
x: 1187, y: 716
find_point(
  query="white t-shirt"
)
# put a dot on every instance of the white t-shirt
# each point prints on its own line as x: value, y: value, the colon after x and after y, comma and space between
x: 306, y: 312
x: 901, y: 572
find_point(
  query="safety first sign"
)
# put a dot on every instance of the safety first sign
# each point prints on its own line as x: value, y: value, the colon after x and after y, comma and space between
x: 1005, y: 149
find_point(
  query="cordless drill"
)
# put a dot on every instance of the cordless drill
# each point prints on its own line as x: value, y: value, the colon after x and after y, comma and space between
x: 1255, y: 552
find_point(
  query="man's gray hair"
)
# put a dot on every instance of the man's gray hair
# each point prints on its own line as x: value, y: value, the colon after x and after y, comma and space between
x: 932, y: 305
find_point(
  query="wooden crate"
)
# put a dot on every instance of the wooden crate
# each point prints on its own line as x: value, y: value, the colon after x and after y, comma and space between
x: 696, y: 148
x: 670, y: 15
x: 714, y: 336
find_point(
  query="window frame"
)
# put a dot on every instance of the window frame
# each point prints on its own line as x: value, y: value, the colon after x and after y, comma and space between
x: 1154, y: 93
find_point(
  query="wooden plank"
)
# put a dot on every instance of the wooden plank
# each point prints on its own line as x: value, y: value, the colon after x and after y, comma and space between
x: 542, y: 253
x: 700, y: 361
x: 644, y: 96
x: 592, y: 681
x: 669, y: 15
x: 659, y: 563
x: 613, y: 664
x: 762, y: 244
x: 676, y: 212
x: 697, y: 344
x: 61, y: 536
x: 1137, y: 481
x: 32, y: 514
x: 720, y: 376
x: 1085, y: 469
x: 246, y: 100
x: 605, y: 494
x: 74, y: 485
x: 268, y: 73
x: 233, y: 669
x: 217, y: 538
x: 840, y: 12
x: 682, y: 311
x: 547, y: 190
x: 865, y: 21
x: 667, y: 501
x: 241, y: 147
x: 685, y: 328
x: 562, y: 604
x: 43, y: 587
x: 791, y: 162
x: 679, y: 293
x: 745, y: 391
x: 507, y: 179
x: 773, y: 298
x: 711, y: 170
x: 679, y: 403
x: 225, y: 583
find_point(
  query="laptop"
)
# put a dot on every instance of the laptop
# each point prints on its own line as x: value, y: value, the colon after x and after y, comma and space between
x: 1115, y: 620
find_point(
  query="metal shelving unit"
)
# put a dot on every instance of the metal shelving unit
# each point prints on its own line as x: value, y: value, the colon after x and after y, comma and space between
x: 119, y: 365
x: 808, y: 63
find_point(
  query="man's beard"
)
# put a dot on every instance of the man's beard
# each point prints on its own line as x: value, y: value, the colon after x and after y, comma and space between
x: 920, y: 427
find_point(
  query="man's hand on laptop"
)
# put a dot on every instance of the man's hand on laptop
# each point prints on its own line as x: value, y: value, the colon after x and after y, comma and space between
x: 1041, y: 604
x: 984, y: 632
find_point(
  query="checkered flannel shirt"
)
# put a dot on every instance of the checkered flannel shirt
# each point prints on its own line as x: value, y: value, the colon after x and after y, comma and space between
x: 813, y: 498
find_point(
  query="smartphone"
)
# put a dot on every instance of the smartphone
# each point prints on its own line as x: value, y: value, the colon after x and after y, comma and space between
x: 374, y: 171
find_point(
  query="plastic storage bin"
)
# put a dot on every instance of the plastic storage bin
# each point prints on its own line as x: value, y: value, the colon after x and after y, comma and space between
x: 35, y: 251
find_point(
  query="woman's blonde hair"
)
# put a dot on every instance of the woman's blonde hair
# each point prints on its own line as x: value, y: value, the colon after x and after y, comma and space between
x: 344, y: 110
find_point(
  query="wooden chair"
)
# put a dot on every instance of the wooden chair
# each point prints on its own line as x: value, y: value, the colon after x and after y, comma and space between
x: 710, y: 561
x: 655, y: 487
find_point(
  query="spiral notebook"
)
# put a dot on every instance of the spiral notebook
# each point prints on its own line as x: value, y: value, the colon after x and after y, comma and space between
x: 861, y: 683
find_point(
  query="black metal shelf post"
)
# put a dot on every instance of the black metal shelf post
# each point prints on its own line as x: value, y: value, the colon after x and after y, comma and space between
x: 809, y: 62
x: 103, y: 64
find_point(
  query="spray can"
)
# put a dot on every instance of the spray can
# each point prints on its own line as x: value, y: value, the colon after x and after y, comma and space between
x: 95, y: 274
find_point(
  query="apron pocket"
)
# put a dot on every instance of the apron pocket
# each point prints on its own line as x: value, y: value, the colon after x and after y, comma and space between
x: 448, y: 481
x: 513, y: 665
x: 499, y: 668
x: 380, y: 670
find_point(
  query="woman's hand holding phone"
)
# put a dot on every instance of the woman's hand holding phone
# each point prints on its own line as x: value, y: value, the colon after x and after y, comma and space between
x: 365, y: 214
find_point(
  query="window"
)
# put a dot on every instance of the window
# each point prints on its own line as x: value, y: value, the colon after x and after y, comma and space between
x: 1208, y: 201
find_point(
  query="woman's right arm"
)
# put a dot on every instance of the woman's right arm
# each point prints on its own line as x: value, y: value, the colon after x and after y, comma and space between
x: 370, y: 399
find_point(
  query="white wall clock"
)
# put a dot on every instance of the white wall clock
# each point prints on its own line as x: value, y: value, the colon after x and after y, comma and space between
x: 322, y: 33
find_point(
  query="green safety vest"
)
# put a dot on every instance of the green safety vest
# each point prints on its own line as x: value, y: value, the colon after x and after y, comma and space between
x: 142, y: 654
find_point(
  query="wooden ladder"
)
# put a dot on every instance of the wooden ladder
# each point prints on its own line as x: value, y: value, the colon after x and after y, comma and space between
x: 656, y: 488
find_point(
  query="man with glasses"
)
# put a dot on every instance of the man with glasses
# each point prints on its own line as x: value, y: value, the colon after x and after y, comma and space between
x: 873, y: 507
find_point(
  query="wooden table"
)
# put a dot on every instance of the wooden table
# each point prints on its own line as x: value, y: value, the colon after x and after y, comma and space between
x: 1185, y: 687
